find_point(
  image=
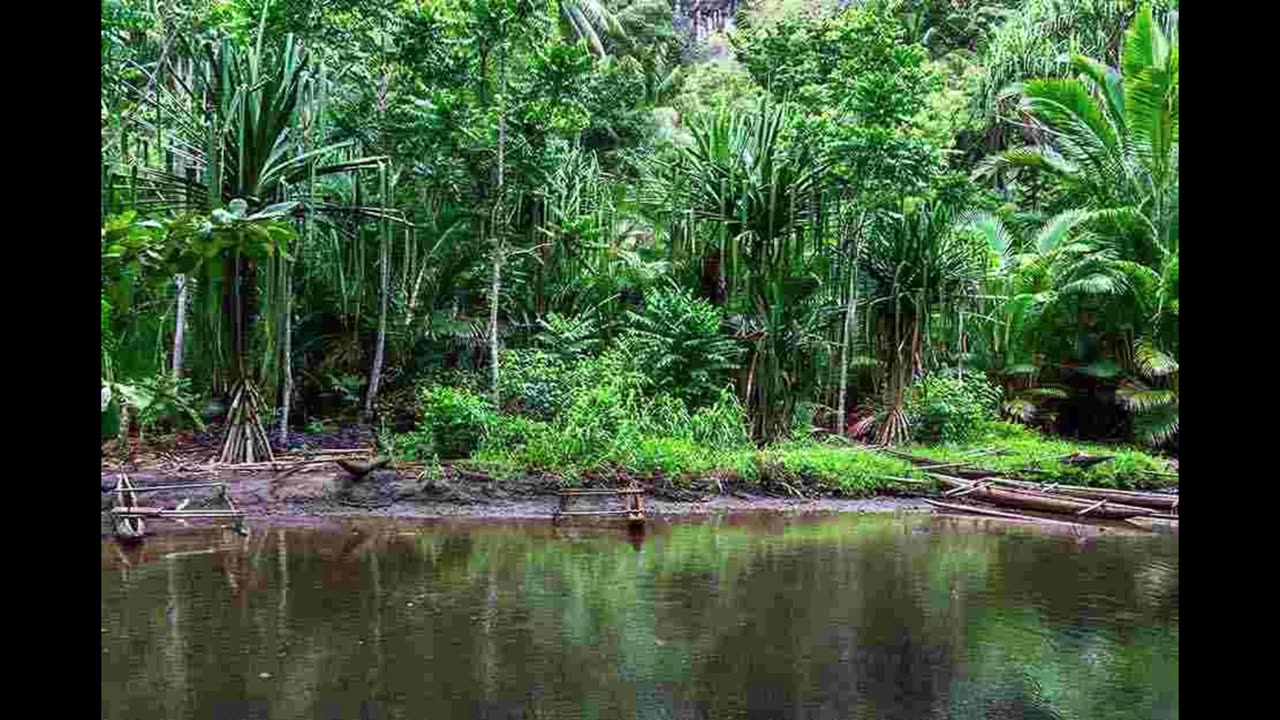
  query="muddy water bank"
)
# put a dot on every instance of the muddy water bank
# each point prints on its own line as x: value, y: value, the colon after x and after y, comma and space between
x: 324, y: 492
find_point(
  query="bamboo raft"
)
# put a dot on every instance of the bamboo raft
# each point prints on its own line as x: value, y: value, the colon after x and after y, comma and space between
x: 632, y: 499
x: 1024, y: 499
x: 127, y: 514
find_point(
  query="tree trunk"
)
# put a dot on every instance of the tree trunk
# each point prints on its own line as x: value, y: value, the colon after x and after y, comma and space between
x: 384, y: 271
x: 287, y: 352
x: 180, y: 325
x: 495, y: 283
x: 850, y: 319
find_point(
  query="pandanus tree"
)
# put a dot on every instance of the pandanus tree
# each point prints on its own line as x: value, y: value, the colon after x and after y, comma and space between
x: 751, y: 196
x: 255, y: 154
x: 920, y: 258
x: 1110, y: 143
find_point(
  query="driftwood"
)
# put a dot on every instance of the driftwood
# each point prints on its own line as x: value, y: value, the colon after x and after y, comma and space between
x: 998, y: 513
x: 1083, y: 460
x: 1041, y: 501
x: 360, y: 468
x: 1155, y: 501
x: 911, y: 481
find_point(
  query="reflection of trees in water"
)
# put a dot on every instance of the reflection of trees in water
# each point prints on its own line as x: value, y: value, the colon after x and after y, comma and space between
x: 843, y: 618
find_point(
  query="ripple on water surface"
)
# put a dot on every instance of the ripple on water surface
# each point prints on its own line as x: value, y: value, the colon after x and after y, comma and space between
x: 834, y: 617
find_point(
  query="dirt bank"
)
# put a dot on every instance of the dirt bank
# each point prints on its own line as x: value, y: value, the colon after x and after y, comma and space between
x: 327, y: 491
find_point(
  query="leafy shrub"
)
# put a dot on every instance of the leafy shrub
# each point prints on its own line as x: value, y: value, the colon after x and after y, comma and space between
x: 453, y: 422
x: 676, y: 342
x: 946, y: 409
x: 514, y: 435
x: 536, y: 383
x: 172, y: 406
x: 722, y: 424
x: 571, y: 338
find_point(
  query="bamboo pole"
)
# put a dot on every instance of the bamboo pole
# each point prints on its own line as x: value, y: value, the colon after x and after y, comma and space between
x: 998, y: 513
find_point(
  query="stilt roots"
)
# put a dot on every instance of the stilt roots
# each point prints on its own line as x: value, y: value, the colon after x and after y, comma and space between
x: 245, y: 440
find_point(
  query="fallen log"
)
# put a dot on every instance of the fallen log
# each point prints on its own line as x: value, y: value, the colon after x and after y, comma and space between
x: 998, y: 513
x: 1039, y: 501
x: 1155, y: 501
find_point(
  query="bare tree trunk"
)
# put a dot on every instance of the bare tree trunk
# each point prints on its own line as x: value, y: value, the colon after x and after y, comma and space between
x: 495, y: 284
x: 495, y: 291
x: 180, y: 324
x: 850, y: 319
x: 287, y: 393
x: 384, y: 272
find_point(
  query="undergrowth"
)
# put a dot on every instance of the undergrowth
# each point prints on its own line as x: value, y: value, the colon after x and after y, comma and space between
x: 601, y: 418
x: 1019, y: 450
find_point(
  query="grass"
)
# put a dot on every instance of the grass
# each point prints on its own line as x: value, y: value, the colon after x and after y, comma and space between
x: 1022, y: 449
x: 807, y: 467
x: 610, y: 428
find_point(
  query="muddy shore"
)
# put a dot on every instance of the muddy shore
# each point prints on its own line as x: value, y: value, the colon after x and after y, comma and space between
x: 329, y: 492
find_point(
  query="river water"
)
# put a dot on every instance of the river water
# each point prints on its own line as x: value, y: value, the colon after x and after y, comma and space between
x: 770, y: 617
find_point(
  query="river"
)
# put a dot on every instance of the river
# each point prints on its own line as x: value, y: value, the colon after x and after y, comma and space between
x: 752, y: 616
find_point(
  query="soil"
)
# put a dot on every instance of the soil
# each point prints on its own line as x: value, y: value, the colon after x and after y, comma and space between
x: 325, y: 490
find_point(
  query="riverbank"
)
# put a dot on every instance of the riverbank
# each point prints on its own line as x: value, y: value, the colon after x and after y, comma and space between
x: 326, y: 491
x: 790, y: 477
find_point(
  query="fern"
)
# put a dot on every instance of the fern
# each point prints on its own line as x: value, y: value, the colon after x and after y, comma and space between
x: 676, y: 342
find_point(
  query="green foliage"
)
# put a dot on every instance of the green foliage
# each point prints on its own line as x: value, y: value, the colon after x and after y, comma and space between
x: 453, y: 423
x: 607, y: 418
x: 1009, y: 449
x: 716, y: 86
x: 860, y: 84
x: 1037, y: 34
x: 571, y: 338
x: 832, y: 469
x: 676, y: 342
x: 1111, y: 150
x: 159, y: 402
x: 812, y: 189
x: 952, y: 410
x: 537, y: 384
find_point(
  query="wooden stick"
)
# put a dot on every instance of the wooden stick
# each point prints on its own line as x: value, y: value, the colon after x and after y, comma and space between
x: 157, y: 488
x: 997, y: 513
x: 943, y: 465
x: 149, y: 511
x: 958, y: 492
x: 902, y: 479
x: 1094, y: 506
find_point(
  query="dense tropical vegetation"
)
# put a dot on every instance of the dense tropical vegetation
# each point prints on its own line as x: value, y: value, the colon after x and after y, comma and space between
x: 568, y: 235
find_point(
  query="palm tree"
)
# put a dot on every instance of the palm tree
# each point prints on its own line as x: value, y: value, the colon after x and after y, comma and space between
x: 590, y: 20
x: 1110, y: 142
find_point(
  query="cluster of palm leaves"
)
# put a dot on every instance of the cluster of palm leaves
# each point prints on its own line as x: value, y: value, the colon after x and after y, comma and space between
x: 1111, y: 145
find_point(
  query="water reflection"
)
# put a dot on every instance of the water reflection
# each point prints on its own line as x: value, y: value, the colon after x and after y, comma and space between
x: 744, y: 617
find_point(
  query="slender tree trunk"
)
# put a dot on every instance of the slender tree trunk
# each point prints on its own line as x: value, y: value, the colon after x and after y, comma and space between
x: 495, y: 290
x: 384, y: 262
x: 495, y: 283
x: 850, y: 320
x: 180, y: 325
x: 287, y: 352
